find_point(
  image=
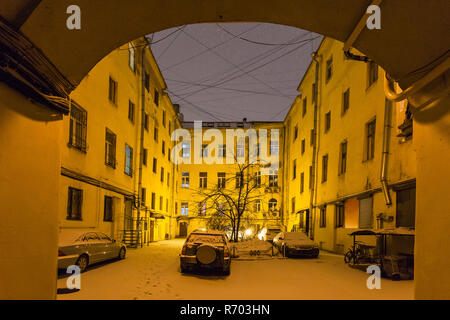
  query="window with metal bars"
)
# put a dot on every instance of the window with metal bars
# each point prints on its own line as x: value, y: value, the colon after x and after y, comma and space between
x: 78, y: 127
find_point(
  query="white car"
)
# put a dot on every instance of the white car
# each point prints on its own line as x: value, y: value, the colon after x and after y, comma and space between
x: 85, y: 247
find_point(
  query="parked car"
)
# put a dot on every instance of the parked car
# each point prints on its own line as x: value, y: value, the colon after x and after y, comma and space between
x: 271, y: 233
x: 295, y: 244
x: 85, y: 247
x: 205, y: 250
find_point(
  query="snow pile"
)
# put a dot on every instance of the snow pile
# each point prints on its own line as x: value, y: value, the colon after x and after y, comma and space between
x: 253, y: 244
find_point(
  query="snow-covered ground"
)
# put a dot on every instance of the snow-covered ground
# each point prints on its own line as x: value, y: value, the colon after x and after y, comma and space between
x: 153, y: 273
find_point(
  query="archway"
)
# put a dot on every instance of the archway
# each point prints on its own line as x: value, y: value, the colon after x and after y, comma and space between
x: 405, y: 49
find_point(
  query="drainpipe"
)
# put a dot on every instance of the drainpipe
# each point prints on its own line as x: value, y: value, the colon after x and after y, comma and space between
x: 315, y: 142
x: 141, y: 139
x: 385, y: 152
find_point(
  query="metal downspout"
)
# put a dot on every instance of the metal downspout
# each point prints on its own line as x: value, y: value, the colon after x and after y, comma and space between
x: 141, y: 140
x: 385, y: 152
x: 314, y: 153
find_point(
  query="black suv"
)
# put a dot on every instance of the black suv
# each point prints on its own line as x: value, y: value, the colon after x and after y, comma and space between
x: 205, y: 250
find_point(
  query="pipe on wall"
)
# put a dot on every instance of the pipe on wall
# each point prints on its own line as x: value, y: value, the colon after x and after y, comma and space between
x: 385, y: 151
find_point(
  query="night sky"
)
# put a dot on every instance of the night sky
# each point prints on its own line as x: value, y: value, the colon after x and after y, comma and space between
x: 232, y: 71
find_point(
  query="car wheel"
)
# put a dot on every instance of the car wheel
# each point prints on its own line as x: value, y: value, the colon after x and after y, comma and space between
x: 82, y: 262
x: 122, y: 253
x: 348, y: 258
x: 226, y: 272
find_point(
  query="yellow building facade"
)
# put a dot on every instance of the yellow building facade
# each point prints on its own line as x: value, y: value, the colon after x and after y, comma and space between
x: 352, y: 152
x: 116, y: 173
x: 199, y: 180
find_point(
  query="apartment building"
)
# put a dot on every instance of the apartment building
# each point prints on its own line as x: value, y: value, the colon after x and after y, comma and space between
x: 117, y: 176
x: 349, y: 158
x: 208, y: 186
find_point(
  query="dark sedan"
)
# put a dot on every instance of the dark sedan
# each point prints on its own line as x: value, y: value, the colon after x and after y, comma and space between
x: 295, y: 244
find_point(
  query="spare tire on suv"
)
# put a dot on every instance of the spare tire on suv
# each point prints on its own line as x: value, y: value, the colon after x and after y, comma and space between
x: 206, y: 254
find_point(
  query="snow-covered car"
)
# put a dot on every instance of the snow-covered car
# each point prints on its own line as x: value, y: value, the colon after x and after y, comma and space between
x: 271, y: 233
x: 205, y: 250
x: 85, y: 247
x: 295, y: 244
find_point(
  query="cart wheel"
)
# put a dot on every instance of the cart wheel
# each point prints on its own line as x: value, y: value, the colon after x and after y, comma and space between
x: 348, y: 258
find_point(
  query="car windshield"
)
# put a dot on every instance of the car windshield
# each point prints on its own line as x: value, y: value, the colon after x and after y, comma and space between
x: 295, y: 236
x: 209, y: 238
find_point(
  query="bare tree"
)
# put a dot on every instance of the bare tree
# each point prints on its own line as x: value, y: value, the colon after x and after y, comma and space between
x: 233, y: 198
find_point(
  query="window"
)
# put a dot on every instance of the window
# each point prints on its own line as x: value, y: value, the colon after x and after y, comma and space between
x: 258, y: 179
x: 406, y: 207
x: 345, y: 101
x: 272, y: 205
x: 324, y: 168
x: 144, y: 157
x: 155, y: 134
x: 222, y: 150
x: 164, y: 118
x: 156, y: 98
x: 273, y: 178
x: 163, y: 147
x: 112, y: 92
x: 295, y: 132
x: 128, y: 160
x: 162, y: 174
x: 294, y: 169
x: 160, y: 202
x: 74, y: 204
x: 239, y: 180
x: 77, y: 127
x: 221, y: 179
x: 147, y: 81
x: 185, y: 179
x: 168, y: 154
x: 329, y: 70
x: 240, y: 150
x: 155, y: 165
x: 146, y: 122
x: 293, y: 205
x: 311, y: 138
x: 305, y: 103
x: 131, y: 109
x: 202, y: 209
x: 372, y: 73
x: 343, y: 158
x: 203, y: 179
x: 184, y: 208
x: 323, y: 217
x: 340, y: 215
x: 258, y: 205
x: 327, y: 121
x: 168, y: 179
x: 204, y: 151
x: 303, y: 146
x: 110, y: 149
x: 302, y: 182
x: 274, y: 147
x: 186, y: 150
x: 311, y: 182
x: 108, y: 209
x: 131, y: 57
x: 167, y: 205
x: 365, y: 213
x: 153, y: 200
x: 370, y: 140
